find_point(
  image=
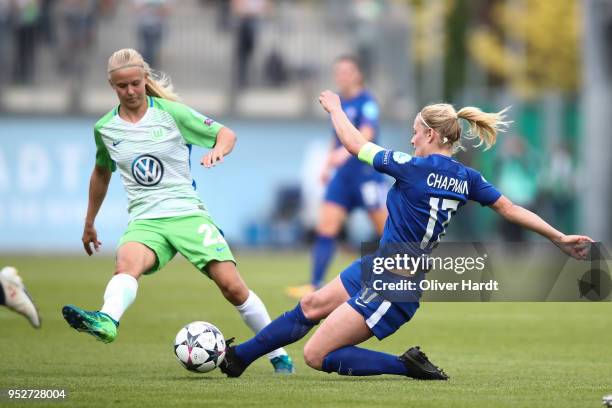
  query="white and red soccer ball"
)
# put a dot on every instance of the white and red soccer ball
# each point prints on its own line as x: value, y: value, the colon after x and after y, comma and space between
x: 199, y: 347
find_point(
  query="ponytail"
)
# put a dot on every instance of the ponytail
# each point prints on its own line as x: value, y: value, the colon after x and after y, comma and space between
x: 446, y: 122
x: 484, y: 126
x: 159, y: 84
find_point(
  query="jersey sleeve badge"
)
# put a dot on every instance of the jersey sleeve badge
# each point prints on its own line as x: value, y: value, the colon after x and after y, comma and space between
x: 401, y: 157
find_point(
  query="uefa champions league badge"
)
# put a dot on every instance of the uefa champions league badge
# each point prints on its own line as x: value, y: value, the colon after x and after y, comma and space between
x: 401, y: 157
x: 208, y: 121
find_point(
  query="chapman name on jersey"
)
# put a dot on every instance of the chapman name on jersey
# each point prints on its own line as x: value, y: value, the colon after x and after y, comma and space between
x: 453, y: 184
x: 153, y: 156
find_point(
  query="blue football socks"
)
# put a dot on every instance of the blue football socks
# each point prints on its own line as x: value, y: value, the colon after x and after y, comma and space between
x: 322, y: 254
x: 351, y: 360
x: 285, y: 329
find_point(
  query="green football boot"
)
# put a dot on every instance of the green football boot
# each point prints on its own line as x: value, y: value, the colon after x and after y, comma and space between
x: 283, y: 365
x: 98, y: 324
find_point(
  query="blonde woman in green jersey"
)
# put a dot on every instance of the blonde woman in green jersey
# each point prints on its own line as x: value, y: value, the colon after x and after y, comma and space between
x: 148, y: 138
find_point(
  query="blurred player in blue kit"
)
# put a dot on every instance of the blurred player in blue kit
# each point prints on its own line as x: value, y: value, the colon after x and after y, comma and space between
x: 429, y: 188
x: 351, y: 184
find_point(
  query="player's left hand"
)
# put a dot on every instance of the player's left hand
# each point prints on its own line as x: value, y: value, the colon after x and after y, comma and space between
x: 576, y: 246
x: 330, y: 101
x: 212, y: 158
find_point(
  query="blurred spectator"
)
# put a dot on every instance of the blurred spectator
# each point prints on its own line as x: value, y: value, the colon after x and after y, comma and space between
x: 224, y: 12
x: 395, y: 58
x: 26, y: 14
x: 5, y: 32
x: 367, y: 14
x: 517, y: 179
x: 46, y: 23
x: 107, y: 8
x: 79, y: 24
x: 151, y: 18
x: 276, y: 71
x: 5, y: 19
x: 247, y: 14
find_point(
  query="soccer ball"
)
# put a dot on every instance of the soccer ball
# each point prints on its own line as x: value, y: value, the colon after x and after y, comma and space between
x: 199, y: 347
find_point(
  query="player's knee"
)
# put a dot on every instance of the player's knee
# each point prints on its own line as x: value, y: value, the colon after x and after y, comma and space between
x: 328, y: 229
x: 128, y: 267
x: 312, y: 357
x: 311, y: 306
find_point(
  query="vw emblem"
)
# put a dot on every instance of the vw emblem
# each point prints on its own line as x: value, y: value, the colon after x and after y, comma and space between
x: 147, y: 170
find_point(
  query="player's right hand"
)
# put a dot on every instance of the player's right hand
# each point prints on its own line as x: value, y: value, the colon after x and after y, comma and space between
x: 330, y: 101
x: 90, y: 237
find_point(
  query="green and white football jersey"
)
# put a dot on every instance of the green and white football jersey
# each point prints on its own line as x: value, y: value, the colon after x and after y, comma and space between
x: 153, y: 156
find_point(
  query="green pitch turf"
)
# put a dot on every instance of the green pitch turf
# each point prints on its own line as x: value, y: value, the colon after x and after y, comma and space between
x: 497, y: 354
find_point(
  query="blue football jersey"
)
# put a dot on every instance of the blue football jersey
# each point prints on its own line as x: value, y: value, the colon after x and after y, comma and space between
x: 361, y: 110
x: 426, y: 194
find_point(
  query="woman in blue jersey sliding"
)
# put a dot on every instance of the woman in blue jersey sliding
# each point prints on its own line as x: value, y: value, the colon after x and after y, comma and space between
x: 420, y: 205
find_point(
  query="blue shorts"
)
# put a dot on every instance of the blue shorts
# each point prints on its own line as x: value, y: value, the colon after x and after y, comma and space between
x: 382, y: 316
x: 357, y: 187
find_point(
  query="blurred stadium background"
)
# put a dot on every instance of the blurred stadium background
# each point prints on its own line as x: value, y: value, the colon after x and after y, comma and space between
x: 257, y: 66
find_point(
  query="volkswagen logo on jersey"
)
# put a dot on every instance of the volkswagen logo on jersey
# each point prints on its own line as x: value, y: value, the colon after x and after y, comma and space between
x: 147, y: 170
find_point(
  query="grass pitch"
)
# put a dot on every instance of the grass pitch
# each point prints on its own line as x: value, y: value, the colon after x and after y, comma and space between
x: 497, y: 354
